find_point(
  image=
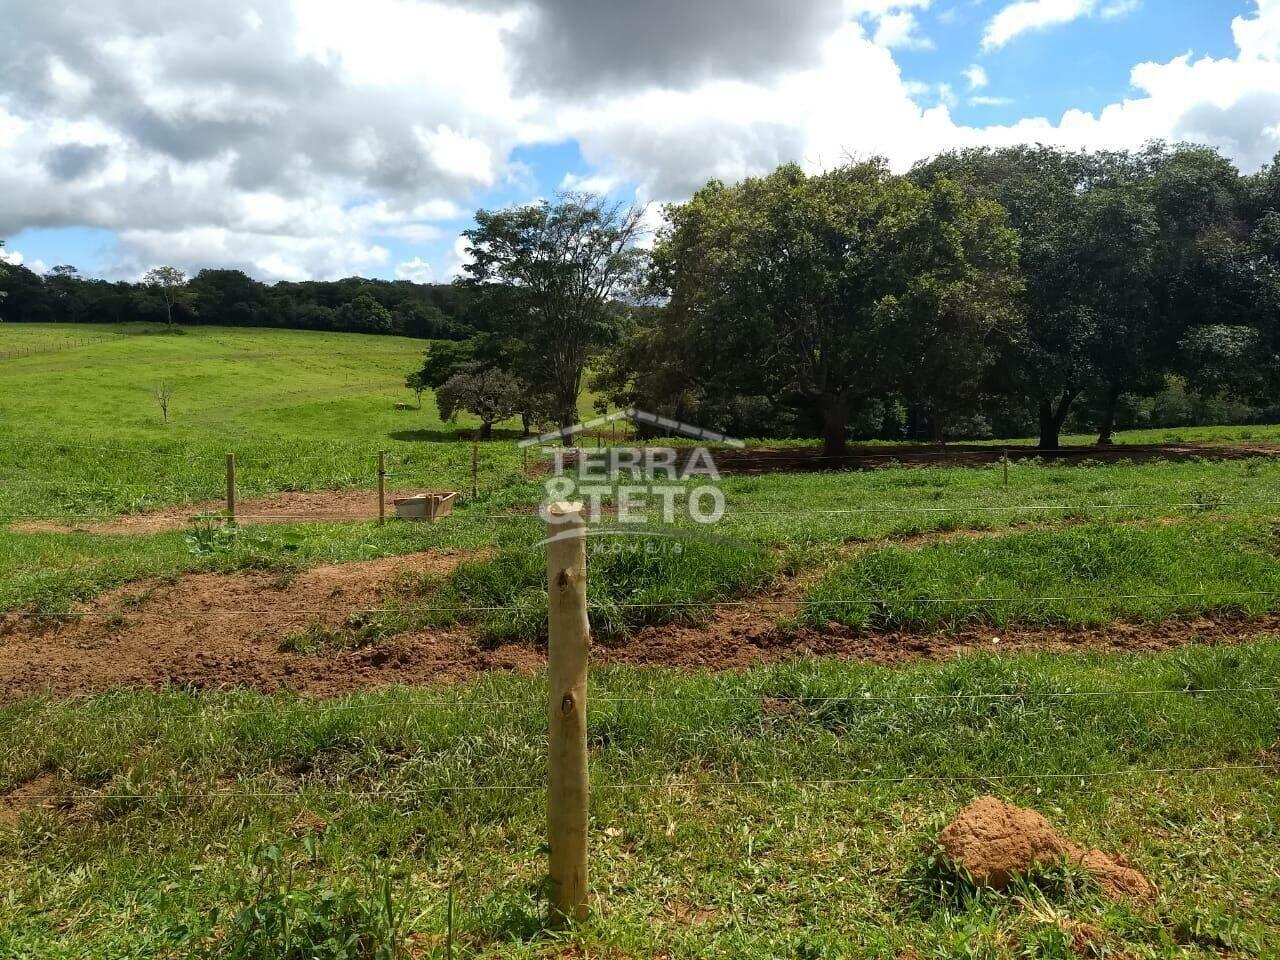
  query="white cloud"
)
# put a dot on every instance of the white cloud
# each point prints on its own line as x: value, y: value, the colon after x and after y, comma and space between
x: 278, y: 138
x: 14, y: 258
x: 1259, y: 37
x: 1118, y: 8
x: 895, y: 21
x: 901, y: 30
x: 416, y: 270
x: 298, y: 138
x: 1026, y: 15
x: 270, y: 257
x: 981, y: 101
x: 591, y: 183
x: 458, y: 258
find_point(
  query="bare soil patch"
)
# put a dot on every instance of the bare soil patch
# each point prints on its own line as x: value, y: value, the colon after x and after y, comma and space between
x: 157, y: 632
x: 26, y: 796
x: 290, y: 507
x: 237, y: 645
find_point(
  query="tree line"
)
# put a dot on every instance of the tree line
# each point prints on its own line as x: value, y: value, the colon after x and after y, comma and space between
x: 232, y: 298
x: 985, y: 291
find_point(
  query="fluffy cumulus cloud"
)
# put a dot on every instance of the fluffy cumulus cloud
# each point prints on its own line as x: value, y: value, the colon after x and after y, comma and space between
x: 896, y: 23
x: 1027, y: 15
x: 311, y: 138
x: 274, y: 136
x: 575, y: 46
x: 416, y: 270
x: 671, y: 141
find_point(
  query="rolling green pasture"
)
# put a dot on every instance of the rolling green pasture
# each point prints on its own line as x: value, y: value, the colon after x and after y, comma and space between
x: 787, y: 811
x: 228, y: 385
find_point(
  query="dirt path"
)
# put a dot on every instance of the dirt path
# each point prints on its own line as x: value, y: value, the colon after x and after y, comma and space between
x: 291, y: 507
x: 237, y: 645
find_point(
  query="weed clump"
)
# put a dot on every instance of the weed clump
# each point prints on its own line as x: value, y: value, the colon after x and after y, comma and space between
x: 284, y: 918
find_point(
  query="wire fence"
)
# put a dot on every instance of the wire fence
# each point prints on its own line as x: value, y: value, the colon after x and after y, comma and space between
x: 416, y: 790
x: 70, y: 343
x: 207, y: 613
x: 408, y: 700
x: 527, y: 514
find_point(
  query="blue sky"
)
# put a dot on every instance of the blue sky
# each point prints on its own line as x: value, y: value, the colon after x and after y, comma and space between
x: 1081, y: 65
x: 309, y: 138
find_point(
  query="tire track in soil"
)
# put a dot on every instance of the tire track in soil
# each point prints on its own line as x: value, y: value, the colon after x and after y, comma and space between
x: 236, y: 645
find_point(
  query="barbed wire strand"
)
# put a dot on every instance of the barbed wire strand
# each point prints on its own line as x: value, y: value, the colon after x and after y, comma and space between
x: 213, y: 613
x: 775, y: 783
x: 313, y: 708
x: 1207, y: 506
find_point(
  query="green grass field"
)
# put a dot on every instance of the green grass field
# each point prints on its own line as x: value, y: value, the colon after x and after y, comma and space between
x: 183, y: 811
x: 271, y: 383
x: 777, y: 811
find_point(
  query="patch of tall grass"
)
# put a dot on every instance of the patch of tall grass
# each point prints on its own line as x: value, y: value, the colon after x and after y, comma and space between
x: 1072, y: 577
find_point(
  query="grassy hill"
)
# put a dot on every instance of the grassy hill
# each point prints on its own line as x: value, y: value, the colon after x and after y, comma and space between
x: 227, y: 383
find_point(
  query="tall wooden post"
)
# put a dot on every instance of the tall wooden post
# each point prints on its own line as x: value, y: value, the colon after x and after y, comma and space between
x: 231, y: 488
x: 475, y: 468
x: 1006, y: 466
x: 382, y: 488
x: 568, y: 647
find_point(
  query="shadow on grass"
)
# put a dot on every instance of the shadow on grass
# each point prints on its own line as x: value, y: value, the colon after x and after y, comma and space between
x: 452, y: 435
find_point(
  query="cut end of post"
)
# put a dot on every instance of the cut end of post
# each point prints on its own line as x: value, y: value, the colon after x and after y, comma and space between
x: 565, y: 508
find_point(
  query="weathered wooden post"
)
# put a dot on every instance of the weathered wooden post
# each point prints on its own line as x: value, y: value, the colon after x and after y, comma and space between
x: 382, y: 488
x: 475, y: 468
x: 1005, y: 458
x: 231, y: 488
x: 568, y: 646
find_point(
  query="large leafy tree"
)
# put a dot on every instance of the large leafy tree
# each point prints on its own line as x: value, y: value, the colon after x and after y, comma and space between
x: 549, y: 277
x: 779, y: 284
x: 824, y: 292
x: 1113, y: 260
x: 959, y: 276
x: 1040, y: 187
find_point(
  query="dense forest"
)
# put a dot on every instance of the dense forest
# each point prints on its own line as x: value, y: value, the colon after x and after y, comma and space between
x: 231, y: 298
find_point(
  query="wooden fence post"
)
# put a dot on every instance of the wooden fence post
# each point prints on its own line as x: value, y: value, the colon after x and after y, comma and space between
x: 382, y: 488
x: 475, y: 468
x: 1006, y: 466
x: 568, y: 792
x: 231, y: 488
